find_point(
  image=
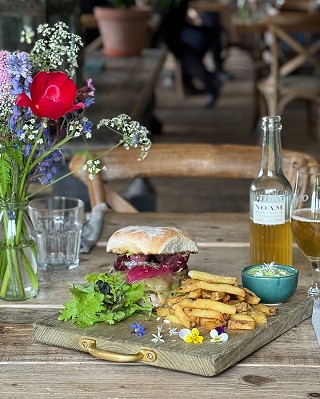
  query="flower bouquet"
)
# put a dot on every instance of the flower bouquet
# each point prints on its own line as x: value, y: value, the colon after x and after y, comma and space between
x: 41, y: 109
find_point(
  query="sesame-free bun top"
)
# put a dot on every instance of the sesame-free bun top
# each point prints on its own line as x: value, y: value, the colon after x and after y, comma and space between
x: 148, y: 240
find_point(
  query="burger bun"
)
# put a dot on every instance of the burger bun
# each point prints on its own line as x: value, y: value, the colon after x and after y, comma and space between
x: 147, y: 240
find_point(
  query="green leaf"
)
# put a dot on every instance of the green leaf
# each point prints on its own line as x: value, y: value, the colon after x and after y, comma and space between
x: 5, y: 171
x: 88, y: 306
x: 83, y: 308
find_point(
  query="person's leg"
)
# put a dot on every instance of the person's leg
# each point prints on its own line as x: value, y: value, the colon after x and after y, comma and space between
x: 193, y: 67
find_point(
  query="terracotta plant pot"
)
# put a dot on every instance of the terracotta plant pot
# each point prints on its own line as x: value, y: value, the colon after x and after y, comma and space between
x: 124, y: 32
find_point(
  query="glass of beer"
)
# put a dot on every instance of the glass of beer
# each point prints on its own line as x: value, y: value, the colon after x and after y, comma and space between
x: 305, y: 221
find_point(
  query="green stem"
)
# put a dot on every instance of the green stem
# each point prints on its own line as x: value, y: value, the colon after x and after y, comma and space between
x: 29, y: 165
x: 10, y: 267
x: 35, y: 192
x: 32, y: 275
x: 2, y: 262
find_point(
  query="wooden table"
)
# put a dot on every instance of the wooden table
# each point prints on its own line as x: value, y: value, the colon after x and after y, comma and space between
x: 288, y: 367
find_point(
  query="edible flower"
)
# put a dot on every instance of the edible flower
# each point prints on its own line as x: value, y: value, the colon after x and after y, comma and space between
x: 191, y: 336
x: 138, y: 329
x: 158, y: 337
x: 218, y: 335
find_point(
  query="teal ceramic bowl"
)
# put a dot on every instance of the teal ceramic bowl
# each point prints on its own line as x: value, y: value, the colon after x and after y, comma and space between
x: 271, y: 289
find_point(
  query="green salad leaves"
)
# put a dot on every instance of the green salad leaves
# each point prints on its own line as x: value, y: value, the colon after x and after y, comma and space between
x: 107, y: 298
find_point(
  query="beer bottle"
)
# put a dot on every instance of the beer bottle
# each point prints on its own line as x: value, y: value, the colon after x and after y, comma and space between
x: 270, y: 198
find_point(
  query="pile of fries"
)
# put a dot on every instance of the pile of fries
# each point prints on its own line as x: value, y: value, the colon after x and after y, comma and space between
x: 210, y: 301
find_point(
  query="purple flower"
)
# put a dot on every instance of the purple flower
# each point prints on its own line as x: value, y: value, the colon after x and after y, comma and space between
x: 19, y: 69
x: 5, y: 78
x: 46, y: 169
x: 220, y: 330
x: 86, y: 94
x: 11, y: 214
x: 88, y: 101
x: 218, y: 335
x: 87, y: 125
x: 138, y: 329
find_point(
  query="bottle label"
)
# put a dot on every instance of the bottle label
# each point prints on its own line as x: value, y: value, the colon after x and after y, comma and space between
x: 271, y: 211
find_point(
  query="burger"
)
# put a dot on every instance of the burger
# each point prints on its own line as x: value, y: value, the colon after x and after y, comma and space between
x: 156, y: 256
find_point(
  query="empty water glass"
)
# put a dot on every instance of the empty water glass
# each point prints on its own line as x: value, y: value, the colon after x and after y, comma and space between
x: 58, y: 225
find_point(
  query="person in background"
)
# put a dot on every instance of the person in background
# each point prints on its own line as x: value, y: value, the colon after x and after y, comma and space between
x: 211, y: 22
x: 189, y: 43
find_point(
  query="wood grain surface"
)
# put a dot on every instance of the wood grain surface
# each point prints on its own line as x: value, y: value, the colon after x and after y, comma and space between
x: 206, y: 359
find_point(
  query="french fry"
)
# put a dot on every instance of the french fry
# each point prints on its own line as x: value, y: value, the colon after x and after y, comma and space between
x: 241, y: 306
x: 205, y: 313
x: 211, y: 301
x: 251, y: 297
x: 226, y: 298
x: 216, y: 296
x: 226, y: 288
x: 259, y: 318
x: 189, y: 295
x: 162, y: 311
x: 241, y: 297
x: 182, y: 317
x: 210, y: 324
x: 241, y: 321
x: 241, y: 325
x: 187, y: 285
x: 197, y: 293
x: 212, y: 278
x: 241, y: 316
x: 267, y: 310
x: 208, y: 304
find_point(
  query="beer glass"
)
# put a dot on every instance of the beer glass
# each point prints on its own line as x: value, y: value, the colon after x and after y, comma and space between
x: 305, y: 221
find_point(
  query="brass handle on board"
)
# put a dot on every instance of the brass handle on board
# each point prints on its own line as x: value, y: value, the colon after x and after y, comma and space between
x: 90, y: 346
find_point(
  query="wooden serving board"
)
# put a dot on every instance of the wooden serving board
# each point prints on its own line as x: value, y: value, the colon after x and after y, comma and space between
x: 206, y: 359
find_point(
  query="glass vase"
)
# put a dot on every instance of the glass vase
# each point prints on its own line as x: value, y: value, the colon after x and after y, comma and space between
x: 18, y: 255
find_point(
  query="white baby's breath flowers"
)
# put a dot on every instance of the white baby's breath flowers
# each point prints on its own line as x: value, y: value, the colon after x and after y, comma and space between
x: 57, y: 47
x: 27, y: 34
x: 133, y: 134
x: 75, y: 128
x: 30, y: 132
x: 93, y: 167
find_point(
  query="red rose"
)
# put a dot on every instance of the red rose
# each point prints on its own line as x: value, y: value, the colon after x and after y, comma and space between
x: 52, y: 95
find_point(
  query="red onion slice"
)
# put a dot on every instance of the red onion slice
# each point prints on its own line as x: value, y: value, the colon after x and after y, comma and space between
x: 142, y: 272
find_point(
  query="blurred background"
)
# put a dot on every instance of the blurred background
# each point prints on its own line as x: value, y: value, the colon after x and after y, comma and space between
x: 203, y: 88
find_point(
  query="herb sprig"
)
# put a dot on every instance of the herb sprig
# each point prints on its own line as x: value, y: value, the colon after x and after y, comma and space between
x: 107, y: 298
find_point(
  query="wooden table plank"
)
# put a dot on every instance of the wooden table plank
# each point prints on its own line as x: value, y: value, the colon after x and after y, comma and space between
x: 97, y: 379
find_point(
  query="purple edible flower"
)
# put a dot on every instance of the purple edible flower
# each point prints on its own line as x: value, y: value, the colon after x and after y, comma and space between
x: 138, y: 329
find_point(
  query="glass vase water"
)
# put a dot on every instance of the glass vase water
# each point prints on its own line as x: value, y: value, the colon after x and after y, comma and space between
x: 18, y: 255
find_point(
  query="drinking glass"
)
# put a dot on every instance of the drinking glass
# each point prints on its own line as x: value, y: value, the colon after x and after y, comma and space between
x: 305, y: 221
x: 58, y: 225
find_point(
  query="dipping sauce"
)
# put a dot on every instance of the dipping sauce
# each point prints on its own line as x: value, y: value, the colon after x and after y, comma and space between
x: 268, y: 270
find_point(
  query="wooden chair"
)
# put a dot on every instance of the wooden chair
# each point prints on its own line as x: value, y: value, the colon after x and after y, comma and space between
x: 299, y: 5
x: 296, y: 76
x: 178, y: 160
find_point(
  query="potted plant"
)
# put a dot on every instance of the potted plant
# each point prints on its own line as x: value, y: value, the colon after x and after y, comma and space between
x: 123, y: 26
